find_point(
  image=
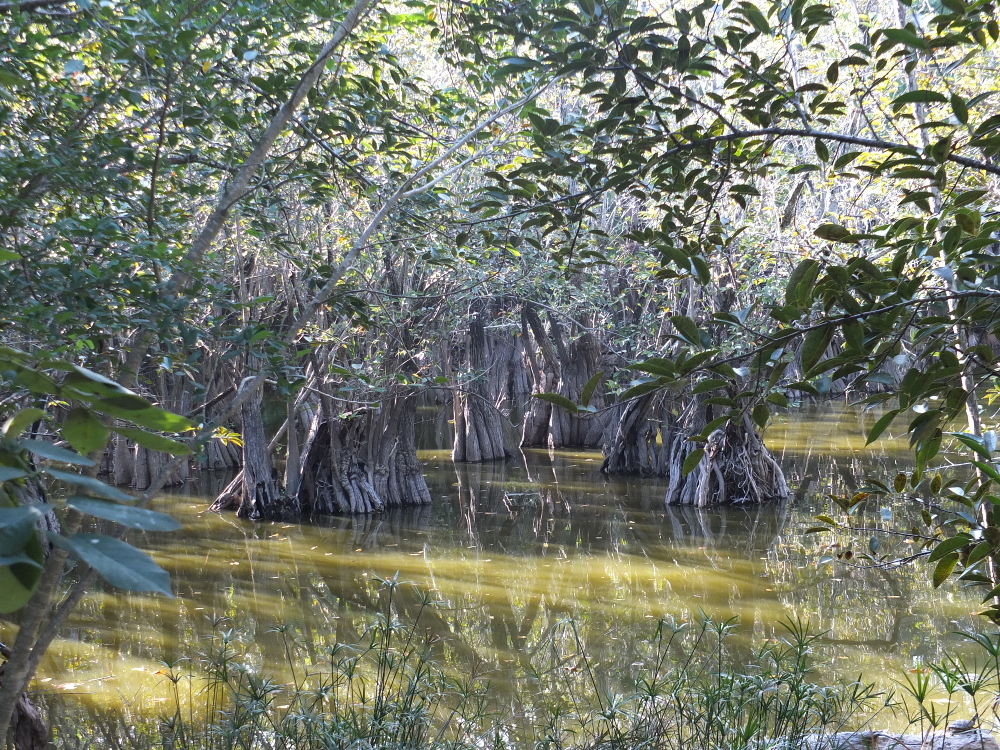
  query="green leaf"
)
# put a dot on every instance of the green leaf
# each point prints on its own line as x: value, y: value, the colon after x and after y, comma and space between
x: 988, y: 470
x: 641, y: 389
x: 710, y: 384
x: 157, y: 419
x: 154, y: 442
x: 778, y: 399
x: 127, y: 515
x: 84, y: 430
x: 961, y: 109
x: 8, y: 255
x: 35, y: 381
x: 123, y: 405
x: 944, y: 569
x: 559, y: 400
x: 846, y: 158
x: 804, y: 387
x: 54, y: 452
x: 19, y: 580
x: 979, y: 552
x: 687, y: 329
x: 880, y: 426
x: 655, y: 366
x: 118, y: 563
x: 87, y: 381
x: 973, y: 442
x: 906, y: 37
x: 921, y: 96
x: 899, y: 483
x: 590, y: 386
x: 692, y: 460
x: 947, y: 546
x: 7, y: 473
x: 969, y: 196
x: 814, y: 346
x: 756, y: 18
x: 832, y: 232
x: 936, y: 483
x: 90, y: 485
x: 760, y: 415
x: 20, y: 422
x: 17, y: 526
x: 18, y: 558
x: 798, y: 289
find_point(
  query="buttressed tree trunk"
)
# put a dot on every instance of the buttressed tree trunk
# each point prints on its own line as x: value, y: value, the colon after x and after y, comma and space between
x: 544, y: 371
x: 362, y: 462
x: 583, y: 362
x: 260, y: 494
x: 736, y: 469
x: 636, y: 438
x: 564, y: 370
x: 480, y: 433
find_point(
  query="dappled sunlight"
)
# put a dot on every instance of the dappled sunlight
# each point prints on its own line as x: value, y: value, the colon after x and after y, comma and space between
x: 508, y: 551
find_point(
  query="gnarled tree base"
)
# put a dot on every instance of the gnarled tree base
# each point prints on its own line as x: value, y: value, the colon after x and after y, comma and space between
x: 736, y: 469
x: 27, y: 729
x: 363, y: 463
x: 482, y: 432
x: 633, y: 445
x: 131, y: 465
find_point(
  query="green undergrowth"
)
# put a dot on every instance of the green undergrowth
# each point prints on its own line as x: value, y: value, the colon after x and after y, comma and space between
x: 694, y: 685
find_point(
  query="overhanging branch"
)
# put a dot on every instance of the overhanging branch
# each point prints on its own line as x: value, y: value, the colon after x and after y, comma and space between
x: 823, y: 135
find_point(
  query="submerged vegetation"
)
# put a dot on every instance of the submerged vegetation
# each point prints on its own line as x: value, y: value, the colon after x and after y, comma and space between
x: 693, y: 685
x: 697, y: 684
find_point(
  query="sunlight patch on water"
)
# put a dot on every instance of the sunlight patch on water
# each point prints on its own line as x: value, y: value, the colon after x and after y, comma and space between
x: 510, y: 550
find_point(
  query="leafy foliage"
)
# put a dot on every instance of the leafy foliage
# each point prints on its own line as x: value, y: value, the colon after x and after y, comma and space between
x: 27, y: 465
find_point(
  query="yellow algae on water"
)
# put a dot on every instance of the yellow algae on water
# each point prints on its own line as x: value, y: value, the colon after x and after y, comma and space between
x: 507, y: 552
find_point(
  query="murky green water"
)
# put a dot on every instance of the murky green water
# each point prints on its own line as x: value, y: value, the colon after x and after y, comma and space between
x: 510, y: 550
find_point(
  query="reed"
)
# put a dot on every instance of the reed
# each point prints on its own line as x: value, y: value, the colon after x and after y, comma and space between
x: 695, y: 686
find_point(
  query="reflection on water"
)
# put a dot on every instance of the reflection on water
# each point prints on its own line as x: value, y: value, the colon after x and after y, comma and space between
x: 511, y: 550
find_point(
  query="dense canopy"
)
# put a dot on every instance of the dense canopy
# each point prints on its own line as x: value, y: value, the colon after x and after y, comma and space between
x: 637, y: 226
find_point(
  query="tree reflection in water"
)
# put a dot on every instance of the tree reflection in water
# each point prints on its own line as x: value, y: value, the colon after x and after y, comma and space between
x: 511, y: 551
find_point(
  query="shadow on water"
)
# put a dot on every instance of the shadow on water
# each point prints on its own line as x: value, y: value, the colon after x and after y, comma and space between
x: 511, y: 551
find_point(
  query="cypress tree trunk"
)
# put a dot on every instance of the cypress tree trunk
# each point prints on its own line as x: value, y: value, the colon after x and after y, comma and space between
x: 637, y: 436
x: 565, y: 370
x: 260, y: 494
x: 566, y: 429
x: 736, y: 469
x: 480, y: 433
x: 362, y: 463
x: 544, y: 375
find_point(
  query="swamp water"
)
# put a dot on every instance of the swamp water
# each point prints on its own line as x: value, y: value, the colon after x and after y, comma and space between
x: 511, y: 552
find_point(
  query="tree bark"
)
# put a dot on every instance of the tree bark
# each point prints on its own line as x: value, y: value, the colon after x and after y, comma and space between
x: 480, y: 432
x: 736, y: 469
x: 364, y: 462
x: 260, y: 495
x: 583, y: 362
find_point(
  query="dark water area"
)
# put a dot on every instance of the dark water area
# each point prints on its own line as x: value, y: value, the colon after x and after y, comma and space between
x: 511, y: 550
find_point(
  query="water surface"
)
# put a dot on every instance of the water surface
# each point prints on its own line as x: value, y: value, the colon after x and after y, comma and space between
x: 512, y: 550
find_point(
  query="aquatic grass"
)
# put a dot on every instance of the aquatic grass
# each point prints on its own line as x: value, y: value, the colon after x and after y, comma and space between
x: 696, y: 691
x: 694, y: 685
x: 956, y: 687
